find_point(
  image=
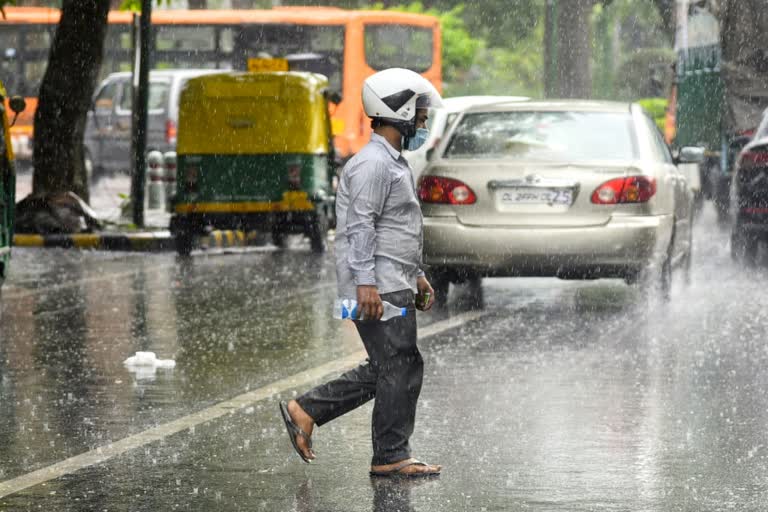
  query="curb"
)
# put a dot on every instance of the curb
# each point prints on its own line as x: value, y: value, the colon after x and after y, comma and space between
x: 147, y: 241
x: 142, y: 241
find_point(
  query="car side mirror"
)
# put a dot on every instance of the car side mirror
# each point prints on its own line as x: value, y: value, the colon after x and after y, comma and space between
x: 690, y: 155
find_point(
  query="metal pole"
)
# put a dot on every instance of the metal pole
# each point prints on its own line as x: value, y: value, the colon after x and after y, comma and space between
x: 141, y: 113
x: 550, y: 49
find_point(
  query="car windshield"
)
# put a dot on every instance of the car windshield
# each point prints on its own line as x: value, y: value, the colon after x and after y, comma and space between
x: 537, y: 135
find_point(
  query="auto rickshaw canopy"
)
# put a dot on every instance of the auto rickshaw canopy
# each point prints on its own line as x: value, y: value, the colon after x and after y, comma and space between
x: 254, y: 113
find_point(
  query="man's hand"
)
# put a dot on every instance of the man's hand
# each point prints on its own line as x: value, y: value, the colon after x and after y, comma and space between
x: 425, y: 292
x: 369, y: 302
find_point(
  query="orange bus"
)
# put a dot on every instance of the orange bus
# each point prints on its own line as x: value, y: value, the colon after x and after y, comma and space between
x: 345, y: 45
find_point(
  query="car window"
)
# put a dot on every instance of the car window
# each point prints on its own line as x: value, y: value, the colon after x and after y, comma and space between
x: 105, y: 99
x: 658, y: 146
x: 158, y: 96
x: 544, y: 135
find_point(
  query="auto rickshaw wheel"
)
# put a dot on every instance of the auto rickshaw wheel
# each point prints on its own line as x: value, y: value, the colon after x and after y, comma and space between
x: 278, y: 238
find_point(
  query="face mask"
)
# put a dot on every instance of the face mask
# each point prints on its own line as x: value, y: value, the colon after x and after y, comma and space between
x: 418, y: 140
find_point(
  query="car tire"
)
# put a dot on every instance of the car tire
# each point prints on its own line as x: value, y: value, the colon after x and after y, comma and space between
x: 743, y: 246
x: 688, y: 260
x: 657, y: 280
x: 441, y: 285
x: 476, y: 295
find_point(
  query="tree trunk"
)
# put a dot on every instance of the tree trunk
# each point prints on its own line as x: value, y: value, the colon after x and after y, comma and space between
x: 574, y: 50
x: 197, y: 4
x: 65, y: 97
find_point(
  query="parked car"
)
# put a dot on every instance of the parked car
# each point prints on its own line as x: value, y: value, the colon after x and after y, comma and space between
x: 749, y: 196
x: 108, y: 129
x: 440, y: 120
x: 568, y: 189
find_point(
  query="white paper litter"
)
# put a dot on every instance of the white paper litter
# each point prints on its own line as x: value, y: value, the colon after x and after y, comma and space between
x: 148, y: 359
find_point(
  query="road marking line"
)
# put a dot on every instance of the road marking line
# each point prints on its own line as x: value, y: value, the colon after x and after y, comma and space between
x: 109, y: 451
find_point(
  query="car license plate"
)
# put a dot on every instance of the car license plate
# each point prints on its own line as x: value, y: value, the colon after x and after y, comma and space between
x: 531, y: 195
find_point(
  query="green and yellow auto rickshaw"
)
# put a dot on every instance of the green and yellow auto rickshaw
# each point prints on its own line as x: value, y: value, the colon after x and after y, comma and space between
x: 254, y: 153
x: 7, y: 179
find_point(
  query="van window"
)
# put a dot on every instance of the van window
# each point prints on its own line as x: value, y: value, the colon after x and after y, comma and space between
x: 158, y: 96
x: 105, y: 99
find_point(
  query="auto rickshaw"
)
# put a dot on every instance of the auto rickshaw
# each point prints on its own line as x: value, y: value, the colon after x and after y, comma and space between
x: 254, y: 153
x: 7, y: 179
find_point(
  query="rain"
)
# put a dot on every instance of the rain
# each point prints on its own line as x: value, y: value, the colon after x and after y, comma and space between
x: 587, y: 203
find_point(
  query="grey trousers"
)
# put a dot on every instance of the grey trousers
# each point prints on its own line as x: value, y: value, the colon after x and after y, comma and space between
x: 392, y: 374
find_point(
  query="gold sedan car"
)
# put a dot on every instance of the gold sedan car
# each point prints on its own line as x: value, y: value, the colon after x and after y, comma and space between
x: 568, y: 189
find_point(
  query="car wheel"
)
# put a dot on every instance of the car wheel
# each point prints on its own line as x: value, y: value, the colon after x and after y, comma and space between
x: 475, y: 286
x: 743, y: 246
x: 657, y: 280
x: 441, y: 284
x: 688, y: 261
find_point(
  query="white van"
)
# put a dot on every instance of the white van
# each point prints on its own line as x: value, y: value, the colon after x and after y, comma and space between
x: 108, y: 129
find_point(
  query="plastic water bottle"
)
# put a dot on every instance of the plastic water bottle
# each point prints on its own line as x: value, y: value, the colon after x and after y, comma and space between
x: 344, y: 309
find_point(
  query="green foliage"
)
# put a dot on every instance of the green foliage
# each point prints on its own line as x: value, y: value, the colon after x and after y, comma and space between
x: 473, y: 66
x: 657, y: 109
x: 135, y: 5
x: 4, y: 4
x: 632, y: 55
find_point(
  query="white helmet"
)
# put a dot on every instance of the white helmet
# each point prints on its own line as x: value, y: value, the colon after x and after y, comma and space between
x: 393, y: 95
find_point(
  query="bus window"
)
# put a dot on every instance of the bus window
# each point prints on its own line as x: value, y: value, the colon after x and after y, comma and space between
x: 38, y: 37
x: 186, y: 38
x: 403, y: 46
x: 316, y: 48
x: 9, y: 58
x: 117, y: 50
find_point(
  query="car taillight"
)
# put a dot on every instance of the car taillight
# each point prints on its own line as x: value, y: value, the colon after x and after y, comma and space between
x: 749, y: 159
x: 170, y: 132
x: 436, y: 189
x: 632, y: 189
x: 294, y: 177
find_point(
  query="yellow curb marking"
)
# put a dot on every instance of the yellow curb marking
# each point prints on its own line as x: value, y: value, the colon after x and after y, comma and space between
x: 28, y: 240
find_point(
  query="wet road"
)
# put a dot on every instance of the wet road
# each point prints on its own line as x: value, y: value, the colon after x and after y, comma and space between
x: 554, y: 396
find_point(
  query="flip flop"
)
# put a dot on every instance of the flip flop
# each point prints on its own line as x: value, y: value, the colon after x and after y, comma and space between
x: 397, y: 471
x: 293, y: 431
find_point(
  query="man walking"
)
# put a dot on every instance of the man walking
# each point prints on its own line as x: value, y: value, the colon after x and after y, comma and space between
x: 378, y: 254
